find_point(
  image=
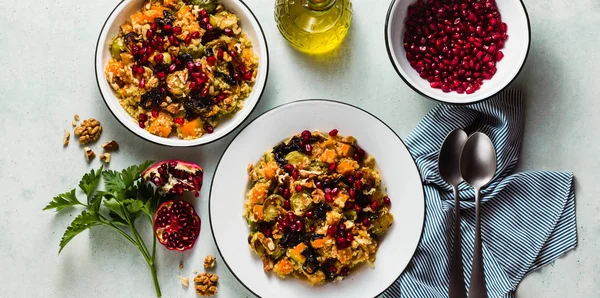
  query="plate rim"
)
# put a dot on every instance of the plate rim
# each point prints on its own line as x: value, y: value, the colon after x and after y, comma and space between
x: 296, y: 102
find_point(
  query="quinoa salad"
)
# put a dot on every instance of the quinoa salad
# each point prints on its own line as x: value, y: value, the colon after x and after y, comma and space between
x: 178, y: 67
x: 316, y: 207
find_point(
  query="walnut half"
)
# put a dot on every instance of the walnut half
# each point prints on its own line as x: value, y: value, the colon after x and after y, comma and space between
x: 206, y: 284
x: 88, y: 131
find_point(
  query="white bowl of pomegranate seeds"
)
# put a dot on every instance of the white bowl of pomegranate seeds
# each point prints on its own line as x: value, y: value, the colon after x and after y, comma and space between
x: 249, y: 26
x: 399, y: 177
x: 457, y: 52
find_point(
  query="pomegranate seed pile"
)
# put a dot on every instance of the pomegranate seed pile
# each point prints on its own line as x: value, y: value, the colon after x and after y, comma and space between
x: 455, y: 45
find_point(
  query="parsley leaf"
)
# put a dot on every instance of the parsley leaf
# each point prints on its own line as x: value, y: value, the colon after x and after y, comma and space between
x: 113, y: 182
x: 63, y: 201
x: 90, y: 181
x: 82, y: 222
x: 132, y: 173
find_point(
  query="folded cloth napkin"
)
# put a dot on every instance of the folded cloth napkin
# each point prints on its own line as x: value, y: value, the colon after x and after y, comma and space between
x: 528, y: 219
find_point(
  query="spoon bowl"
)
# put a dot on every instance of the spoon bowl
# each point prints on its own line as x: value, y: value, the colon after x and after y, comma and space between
x: 449, y: 158
x: 478, y: 160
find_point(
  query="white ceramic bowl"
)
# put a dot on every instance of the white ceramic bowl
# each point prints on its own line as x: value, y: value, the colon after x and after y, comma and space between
x: 249, y: 25
x: 398, y: 171
x: 515, y: 51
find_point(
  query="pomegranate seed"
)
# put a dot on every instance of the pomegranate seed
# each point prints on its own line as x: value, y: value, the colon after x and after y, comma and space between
x: 308, y: 214
x: 205, y: 20
x: 335, y: 191
x: 228, y: 32
x: 299, y: 188
x: 176, y: 30
x: 319, y: 185
x: 375, y: 206
x: 308, y: 148
x: 208, y: 128
x: 190, y: 65
x: 211, y: 60
x: 221, y: 97
x: 153, y: 26
x: 248, y: 76
x: 209, y: 27
x: 332, y: 167
x: 205, y: 92
x: 328, y: 198
x: 142, y: 83
x: 288, y: 168
x: 233, y: 53
x: 140, y: 70
x: 141, y: 124
x: 154, y: 113
x: 167, y: 28
x: 203, y: 13
x: 220, y: 54
x: 331, y: 231
x: 313, y: 229
x: 193, y: 86
x: 387, y: 201
x: 187, y: 40
x: 342, y: 227
x: 499, y: 55
x: 344, y: 271
x: 366, y: 222
x: 195, y: 35
x: 143, y: 117
x: 179, y: 121
x: 172, y: 67
x: 149, y: 33
x: 158, y: 58
x: 357, y: 208
x: 352, y: 193
x: 295, y: 174
x: 286, y: 194
x: 358, y: 185
x: 161, y: 75
x: 358, y: 175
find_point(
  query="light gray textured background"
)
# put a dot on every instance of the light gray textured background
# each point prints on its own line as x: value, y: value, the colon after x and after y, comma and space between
x: 47, y: 75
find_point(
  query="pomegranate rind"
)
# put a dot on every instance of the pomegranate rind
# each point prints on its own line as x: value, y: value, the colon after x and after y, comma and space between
x: 159, y: 231
x: 164, y: 176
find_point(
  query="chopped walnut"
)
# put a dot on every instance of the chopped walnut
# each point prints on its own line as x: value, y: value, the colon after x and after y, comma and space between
x: 206, y: 284
x: 209, y: 262
x: 74, y: 123
x: 111, y: 146
x: 66, y: 137
x: 88, y: 131
x: 105, y: 157
x: 181, y: 265
x: 76, y: 117
x: 89, y: 154
x: 185, y: 281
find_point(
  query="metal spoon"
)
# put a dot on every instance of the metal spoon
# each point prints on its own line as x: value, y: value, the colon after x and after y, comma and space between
x: 477, y: 167
x: 449, y: 167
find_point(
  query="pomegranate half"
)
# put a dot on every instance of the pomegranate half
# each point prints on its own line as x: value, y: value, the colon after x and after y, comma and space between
x: 176, y: 225
x: 175, y: 177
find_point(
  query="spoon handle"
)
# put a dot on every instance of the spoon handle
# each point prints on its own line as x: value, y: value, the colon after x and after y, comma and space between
x: 457, y: 279
x: 477, y: 284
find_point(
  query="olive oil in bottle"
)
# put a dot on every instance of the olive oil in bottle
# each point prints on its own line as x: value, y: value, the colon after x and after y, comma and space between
x: 313, y: 26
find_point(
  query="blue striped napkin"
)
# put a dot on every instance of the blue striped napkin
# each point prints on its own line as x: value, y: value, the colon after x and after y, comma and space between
x: 528, y: 219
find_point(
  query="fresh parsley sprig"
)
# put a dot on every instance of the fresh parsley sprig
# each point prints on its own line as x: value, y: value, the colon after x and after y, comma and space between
x: 124, y: 199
